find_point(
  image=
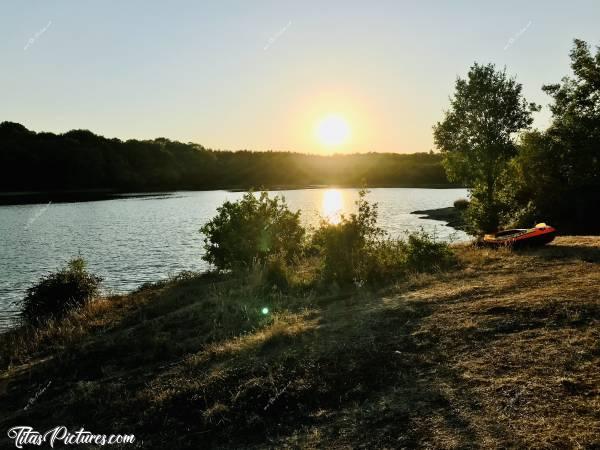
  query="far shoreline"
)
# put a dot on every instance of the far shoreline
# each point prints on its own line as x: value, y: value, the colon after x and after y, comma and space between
x: 89, y: 195
x: 450, y: 215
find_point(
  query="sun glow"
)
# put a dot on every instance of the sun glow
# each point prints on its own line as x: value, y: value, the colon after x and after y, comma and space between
x: 332, y: 131
x: 332, y: 206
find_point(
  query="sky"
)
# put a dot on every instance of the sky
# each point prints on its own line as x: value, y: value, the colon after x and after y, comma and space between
x: 263, y: 75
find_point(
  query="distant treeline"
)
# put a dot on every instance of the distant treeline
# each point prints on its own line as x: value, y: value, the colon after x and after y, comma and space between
x: 81, y: 160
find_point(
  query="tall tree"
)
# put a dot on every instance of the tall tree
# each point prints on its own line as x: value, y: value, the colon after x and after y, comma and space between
x: 477, y: 136
x: 576, y: 117
x: 560, y: 168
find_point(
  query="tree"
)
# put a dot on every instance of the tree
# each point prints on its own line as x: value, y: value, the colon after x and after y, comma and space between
x: 559, y: 169
x: 477, y: 136
x: 575, y: 128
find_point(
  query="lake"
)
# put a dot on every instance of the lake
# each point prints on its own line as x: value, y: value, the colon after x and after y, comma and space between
x: 131, y: 240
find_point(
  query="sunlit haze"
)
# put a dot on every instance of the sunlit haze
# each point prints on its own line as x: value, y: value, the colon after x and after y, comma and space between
x: 332, y: 131
x: 332, y: 205
x: 263, y: 75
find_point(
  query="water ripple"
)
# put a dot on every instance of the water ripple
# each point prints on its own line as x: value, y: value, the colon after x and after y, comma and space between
x: 132, y: 240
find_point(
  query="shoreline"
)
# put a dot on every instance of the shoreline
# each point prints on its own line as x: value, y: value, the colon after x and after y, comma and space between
x: 197, y: 353
x: 450, y: 215
x: 90, y: 195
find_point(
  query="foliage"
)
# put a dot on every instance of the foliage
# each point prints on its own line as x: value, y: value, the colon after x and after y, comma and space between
x: 80, y: 159
x: 423, y: 253
x: 392, y: 259
x: 461, y: 204
x: 555, y: 177
x: 356, y: 251
x: 481, y: 214
x: 346, y: 246
x: 249, y: 230
x: 57, y: 293
x: 476, y: 135
x: 278, y: 271
x: 384, y: 262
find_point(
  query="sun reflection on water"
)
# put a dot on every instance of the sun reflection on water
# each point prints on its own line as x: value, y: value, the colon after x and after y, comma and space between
x: 332, y: 204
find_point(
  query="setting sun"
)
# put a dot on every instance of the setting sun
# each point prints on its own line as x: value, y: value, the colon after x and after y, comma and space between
x: 333, y: 131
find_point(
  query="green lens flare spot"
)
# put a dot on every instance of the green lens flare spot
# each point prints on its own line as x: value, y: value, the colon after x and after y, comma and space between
x: 265, y: 311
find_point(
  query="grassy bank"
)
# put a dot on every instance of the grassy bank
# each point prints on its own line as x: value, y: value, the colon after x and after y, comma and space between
x: 502, y: 351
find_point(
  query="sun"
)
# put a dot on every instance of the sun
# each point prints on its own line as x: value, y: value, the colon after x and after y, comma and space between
x: 332, y: 131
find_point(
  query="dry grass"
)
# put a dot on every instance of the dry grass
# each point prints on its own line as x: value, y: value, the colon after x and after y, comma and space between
x: 500, y: 353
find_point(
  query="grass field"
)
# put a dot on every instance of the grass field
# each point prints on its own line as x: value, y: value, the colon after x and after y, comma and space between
x: 503, y: 351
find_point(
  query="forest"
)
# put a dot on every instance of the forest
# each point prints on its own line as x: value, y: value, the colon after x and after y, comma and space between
x: 82, y: 160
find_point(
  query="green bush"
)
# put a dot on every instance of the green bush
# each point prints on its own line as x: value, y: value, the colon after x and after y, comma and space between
x: 250, y: 230
x: 392, y: 259
x: 425, y: 254
x: 461, y: 204
x: 260, y: 234
x: 57, y: 293
x: 346, y: 246
x: 356, y: 251
x: 482, y: 215
x: 385, y: 261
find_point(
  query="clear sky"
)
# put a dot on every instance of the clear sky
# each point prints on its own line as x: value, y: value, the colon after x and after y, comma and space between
x: 261, y: 75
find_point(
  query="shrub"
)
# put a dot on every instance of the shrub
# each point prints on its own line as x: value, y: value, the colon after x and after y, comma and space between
x: 425, y: 254
x: 250, y: 230
x: 386, y: 261
x: 345, y: 246
x: 461, y: 204
x: 522, y: 217
x: 392, y: 259
x: 57, y: 293
x: 482, y: 215
x: 356, y: 250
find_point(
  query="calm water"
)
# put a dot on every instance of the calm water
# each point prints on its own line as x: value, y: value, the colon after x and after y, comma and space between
x: 132, y: 240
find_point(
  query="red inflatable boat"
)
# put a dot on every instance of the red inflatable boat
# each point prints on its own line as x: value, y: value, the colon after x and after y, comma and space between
x: 541, y: 234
